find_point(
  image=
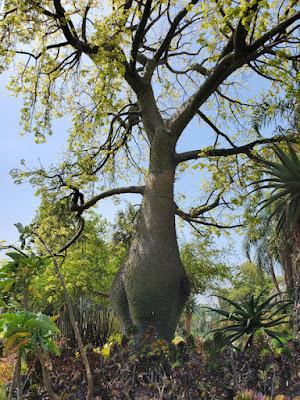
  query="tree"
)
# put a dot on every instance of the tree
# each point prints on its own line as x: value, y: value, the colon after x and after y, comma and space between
x: 206, y: 267
x: 133, y: 75
x: 283, y: 178
x: 262, y: 240
x: 90, y: 263
x: 247, y: 280
x: 26, y: 332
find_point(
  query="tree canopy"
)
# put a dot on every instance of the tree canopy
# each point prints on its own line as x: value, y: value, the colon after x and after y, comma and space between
x: 92, y: 60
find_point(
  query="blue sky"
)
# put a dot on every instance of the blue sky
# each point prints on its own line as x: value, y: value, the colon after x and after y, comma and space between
x: 18, y: 203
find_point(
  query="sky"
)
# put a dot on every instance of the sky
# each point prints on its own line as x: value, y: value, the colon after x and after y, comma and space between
x: 18, y: 202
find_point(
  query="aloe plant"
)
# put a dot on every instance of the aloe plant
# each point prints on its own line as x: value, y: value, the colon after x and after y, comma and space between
x: 250, y: 316
x: 283, y: 178
x: 284, y: 181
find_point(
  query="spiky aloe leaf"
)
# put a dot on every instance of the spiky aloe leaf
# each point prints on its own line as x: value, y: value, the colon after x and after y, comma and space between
x: 254, y: 314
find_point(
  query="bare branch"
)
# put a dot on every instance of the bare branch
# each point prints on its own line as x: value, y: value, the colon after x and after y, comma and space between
x: 75, y: 237
x: 104, y: 195
x: 186, y: 217
x: 279, y: 29
x: 245, y: 149
x: 215, y: 128
x: 13, y: 247
x: 139, y: 34
x: 223, y: 69
x: 168, y: 38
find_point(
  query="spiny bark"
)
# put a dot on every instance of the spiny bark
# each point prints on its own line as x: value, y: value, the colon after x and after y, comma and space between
x: 152, y: 286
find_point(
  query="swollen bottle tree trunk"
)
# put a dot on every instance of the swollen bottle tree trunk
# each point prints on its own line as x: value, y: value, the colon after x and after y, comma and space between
x: 151, y: 288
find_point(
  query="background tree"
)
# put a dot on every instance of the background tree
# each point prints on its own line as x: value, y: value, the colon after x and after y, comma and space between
x: 247, y: 279
x: 133, y: 75
x: 90, y: 263
x: 261, y: 241
x: 284, y: 178
x: 206, y: 268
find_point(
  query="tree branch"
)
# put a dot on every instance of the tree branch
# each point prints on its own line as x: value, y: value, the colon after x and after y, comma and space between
x: 186, y: 217
x: 75, y: 237
x: 104, y: 195
x: 223, y: 69
x: 279, y: 29
x: 168, y: 38
x: 139, y: 34
x: 214, y: 127
x: 245, y: 149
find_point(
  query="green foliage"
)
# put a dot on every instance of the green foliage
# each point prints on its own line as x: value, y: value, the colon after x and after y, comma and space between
x: 95, y: 322
x: 205, y: 264
x: 203, y: 321
x: 251, y: 316
x: 284, y: 181
x: 90, y: 263
x: 247, y: 279
x: 17, y: 278
x: 25, y: 331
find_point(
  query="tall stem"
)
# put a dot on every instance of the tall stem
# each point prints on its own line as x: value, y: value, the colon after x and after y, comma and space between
x: 68, y: 301
x: 46, y: 379
x: 16, y: 379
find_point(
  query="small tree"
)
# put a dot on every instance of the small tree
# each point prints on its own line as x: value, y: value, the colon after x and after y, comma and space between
x: 25, y: 332
x: 17, y: 279
x: 133, y: 75
x: 29, y: 233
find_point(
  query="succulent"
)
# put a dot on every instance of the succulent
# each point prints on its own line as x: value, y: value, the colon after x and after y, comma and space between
x: 284, y: 181
x: 252, y: 315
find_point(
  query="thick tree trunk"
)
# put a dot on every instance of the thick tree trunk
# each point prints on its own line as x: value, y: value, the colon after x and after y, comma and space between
x: 296, y: 282
x: 290, y: 261
x: 152, y: 286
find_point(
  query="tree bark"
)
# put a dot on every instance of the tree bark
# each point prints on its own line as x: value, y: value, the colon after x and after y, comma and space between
x: 296, y: 282
x: 16, y: 379
x: 46, y: 378
x: 188, y: 317
x: 151, y: 287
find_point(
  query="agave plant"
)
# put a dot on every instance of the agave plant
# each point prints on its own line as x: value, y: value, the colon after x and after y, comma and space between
x: 284, y: 180
x: 252, y: 315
